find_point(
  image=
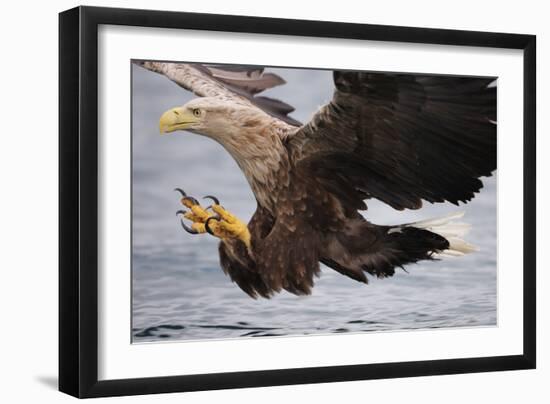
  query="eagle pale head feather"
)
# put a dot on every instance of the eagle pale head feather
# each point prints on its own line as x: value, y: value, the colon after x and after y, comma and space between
x: 213, y: 117
x: 251, y: 136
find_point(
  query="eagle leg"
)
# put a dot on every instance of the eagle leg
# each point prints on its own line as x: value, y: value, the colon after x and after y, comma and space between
x: 226, y: 225
x: 221, y: 223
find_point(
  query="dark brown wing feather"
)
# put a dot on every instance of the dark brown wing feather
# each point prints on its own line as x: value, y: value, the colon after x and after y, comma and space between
x: 251, y: 79
x: 236, y: 262
x: 248, y: 81
x: 401, y: 138
x: 235, y: 82
x: 284, y: 255
x: 288, y: 258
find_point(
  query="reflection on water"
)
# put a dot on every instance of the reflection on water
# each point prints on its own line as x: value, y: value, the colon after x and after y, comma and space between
x: 180, y: 292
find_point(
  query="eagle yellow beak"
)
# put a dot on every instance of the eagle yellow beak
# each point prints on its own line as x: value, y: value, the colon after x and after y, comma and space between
x: 176, y: 119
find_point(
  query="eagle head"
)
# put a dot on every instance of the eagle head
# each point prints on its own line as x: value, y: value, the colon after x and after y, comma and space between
x: 208, y: 116
x: 249, y: 135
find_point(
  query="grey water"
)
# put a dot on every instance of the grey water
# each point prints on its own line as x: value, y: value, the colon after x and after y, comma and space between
x: 179, y: 291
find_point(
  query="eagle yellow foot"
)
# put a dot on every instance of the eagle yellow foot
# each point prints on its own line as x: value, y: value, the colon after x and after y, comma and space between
x: 219, y: 223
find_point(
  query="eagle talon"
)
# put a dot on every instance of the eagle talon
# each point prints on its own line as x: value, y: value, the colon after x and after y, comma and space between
x: 181, y: 191
x: 207, y: 224
x: 190, y: 198
x: 187, y: 228
x: 213, y: 198
x: 186, y: 197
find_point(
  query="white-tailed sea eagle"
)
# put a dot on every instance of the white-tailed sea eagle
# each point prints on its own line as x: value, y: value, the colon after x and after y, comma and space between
x: 399, y: 138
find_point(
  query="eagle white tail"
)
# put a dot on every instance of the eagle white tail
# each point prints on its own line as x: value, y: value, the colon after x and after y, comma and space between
x: 452, y: 231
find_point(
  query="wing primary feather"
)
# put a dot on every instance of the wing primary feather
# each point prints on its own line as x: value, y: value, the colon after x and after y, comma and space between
x: 238, y: 84
x: 402, y: 138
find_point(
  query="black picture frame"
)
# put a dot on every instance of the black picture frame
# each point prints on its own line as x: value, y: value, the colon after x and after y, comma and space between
x: 78, y: 195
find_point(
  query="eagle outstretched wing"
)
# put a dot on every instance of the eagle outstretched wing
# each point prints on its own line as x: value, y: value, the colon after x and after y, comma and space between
x: 401, y: 138
x: 234, y: 83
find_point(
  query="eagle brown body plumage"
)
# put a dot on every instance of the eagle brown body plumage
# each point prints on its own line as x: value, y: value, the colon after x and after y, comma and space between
x: 402, y: 139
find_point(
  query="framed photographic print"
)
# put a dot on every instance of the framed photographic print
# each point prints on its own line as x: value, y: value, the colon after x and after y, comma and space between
x: 251, y: 201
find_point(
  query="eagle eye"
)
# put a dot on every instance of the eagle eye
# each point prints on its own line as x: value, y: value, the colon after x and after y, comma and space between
x: 197, y: 112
